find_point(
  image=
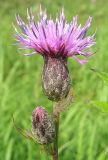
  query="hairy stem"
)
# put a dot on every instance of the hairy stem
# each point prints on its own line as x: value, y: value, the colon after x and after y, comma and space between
x: 55, y: 144
x: 55, y: 157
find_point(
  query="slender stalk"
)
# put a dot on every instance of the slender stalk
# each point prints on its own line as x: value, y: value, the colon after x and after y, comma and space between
x: 55, y: 156
x: 57, y: 108
x: 55, y: 144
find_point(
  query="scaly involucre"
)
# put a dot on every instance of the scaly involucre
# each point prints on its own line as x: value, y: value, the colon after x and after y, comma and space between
x: 55, y: 38
x: 42, y: 126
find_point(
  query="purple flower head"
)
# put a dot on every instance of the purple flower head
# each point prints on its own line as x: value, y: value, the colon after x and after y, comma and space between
x: 55, y: 38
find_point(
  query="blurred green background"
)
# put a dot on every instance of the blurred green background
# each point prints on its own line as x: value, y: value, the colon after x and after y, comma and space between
x: 83, y: 129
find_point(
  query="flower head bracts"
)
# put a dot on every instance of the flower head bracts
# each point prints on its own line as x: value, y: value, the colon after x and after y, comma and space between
x: 55, y: 38
x: 42, y: 126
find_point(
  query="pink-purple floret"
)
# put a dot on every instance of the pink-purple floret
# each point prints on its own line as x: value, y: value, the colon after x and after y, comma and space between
x: 55, y: 38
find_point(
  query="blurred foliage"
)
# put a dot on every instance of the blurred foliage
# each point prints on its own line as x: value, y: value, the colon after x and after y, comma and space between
x: 103, y: 76
x: 83, y: 130
x: 102, y: 106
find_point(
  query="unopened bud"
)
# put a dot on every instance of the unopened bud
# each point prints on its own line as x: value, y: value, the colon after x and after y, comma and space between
x: 42, y: 126
x: 55, y: 78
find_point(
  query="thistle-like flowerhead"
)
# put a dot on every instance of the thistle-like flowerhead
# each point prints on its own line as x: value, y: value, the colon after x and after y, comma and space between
x: 55, y: 38
x: 55, y: 41
x: 42, y: 126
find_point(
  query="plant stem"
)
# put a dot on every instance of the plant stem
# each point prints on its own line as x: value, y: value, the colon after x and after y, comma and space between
x: 55, y: 147
x: 59, y: 107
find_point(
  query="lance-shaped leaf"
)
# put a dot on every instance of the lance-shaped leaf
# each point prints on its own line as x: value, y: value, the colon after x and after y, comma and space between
x: 102, y: 75
x: 25, y: 133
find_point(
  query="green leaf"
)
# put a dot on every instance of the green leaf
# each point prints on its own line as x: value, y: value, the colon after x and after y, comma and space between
x: 25, y: 133
x: 9, y: 149
x: 102, y: 106
x: 102, y: 75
